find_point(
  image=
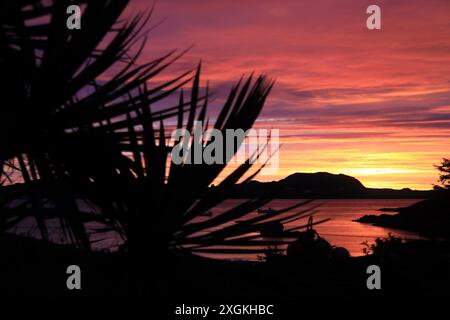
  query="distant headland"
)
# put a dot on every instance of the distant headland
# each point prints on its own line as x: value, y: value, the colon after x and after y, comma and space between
x: 322, y: 185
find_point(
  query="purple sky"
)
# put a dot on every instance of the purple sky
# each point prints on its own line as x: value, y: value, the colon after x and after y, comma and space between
x: 372, y: 104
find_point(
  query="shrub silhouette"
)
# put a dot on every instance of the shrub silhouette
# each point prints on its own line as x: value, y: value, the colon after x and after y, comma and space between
x: 72, y: 137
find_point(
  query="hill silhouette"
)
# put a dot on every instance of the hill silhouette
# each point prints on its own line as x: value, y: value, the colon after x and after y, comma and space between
x: 429, y: 216
x: 320, y: 185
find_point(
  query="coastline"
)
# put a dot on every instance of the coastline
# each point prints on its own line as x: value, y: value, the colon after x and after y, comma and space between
x: 430, y: 217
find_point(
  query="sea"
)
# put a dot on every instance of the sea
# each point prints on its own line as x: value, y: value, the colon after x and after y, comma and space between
x: 339, y: 231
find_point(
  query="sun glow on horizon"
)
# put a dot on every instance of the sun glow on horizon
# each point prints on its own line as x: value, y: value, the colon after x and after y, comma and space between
x: 373, y: 105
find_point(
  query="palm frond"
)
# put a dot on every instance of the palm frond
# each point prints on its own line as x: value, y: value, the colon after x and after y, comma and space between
x: 77, y: 137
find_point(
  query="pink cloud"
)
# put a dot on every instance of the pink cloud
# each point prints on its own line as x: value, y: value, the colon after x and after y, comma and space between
x: 338, y: 84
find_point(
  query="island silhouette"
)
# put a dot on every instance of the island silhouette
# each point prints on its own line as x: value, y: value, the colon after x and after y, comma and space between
x: 322, y: 185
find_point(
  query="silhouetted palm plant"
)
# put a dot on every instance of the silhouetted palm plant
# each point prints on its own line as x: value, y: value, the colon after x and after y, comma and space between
x: 75, y: 137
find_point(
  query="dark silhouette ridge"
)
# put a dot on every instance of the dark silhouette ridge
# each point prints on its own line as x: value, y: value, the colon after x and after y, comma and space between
x: 321, y: 185
x: 430, y: 216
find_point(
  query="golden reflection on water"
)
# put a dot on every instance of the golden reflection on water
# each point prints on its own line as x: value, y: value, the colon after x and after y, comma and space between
x: 340, y: 230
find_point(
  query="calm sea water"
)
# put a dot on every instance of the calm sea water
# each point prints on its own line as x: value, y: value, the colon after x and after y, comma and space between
x: 340, y: 230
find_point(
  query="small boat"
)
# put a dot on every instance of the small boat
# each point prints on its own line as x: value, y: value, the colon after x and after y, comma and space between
x: 206, y: 214
x: 268, y: 210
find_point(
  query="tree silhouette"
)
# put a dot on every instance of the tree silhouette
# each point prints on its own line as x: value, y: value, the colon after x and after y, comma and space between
x: 444, y: 174
x: 73, y: 137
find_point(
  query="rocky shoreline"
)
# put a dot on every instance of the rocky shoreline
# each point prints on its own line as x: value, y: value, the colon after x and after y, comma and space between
x: 429, y: 217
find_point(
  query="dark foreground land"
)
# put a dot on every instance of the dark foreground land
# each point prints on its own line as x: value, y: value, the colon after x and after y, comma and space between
x: 413, y: 270
x: 410, y: 271
x: 430, y: 217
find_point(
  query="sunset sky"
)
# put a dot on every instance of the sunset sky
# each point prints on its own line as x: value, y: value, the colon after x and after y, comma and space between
x: 371, y: 104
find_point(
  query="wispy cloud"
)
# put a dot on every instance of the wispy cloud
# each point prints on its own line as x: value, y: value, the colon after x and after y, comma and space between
x: 342, y: 91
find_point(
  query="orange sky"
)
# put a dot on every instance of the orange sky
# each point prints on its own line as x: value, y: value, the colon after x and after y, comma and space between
x: 371, y: 104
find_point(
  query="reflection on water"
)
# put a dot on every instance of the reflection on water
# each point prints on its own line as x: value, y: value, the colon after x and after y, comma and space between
x: 340, y: 230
